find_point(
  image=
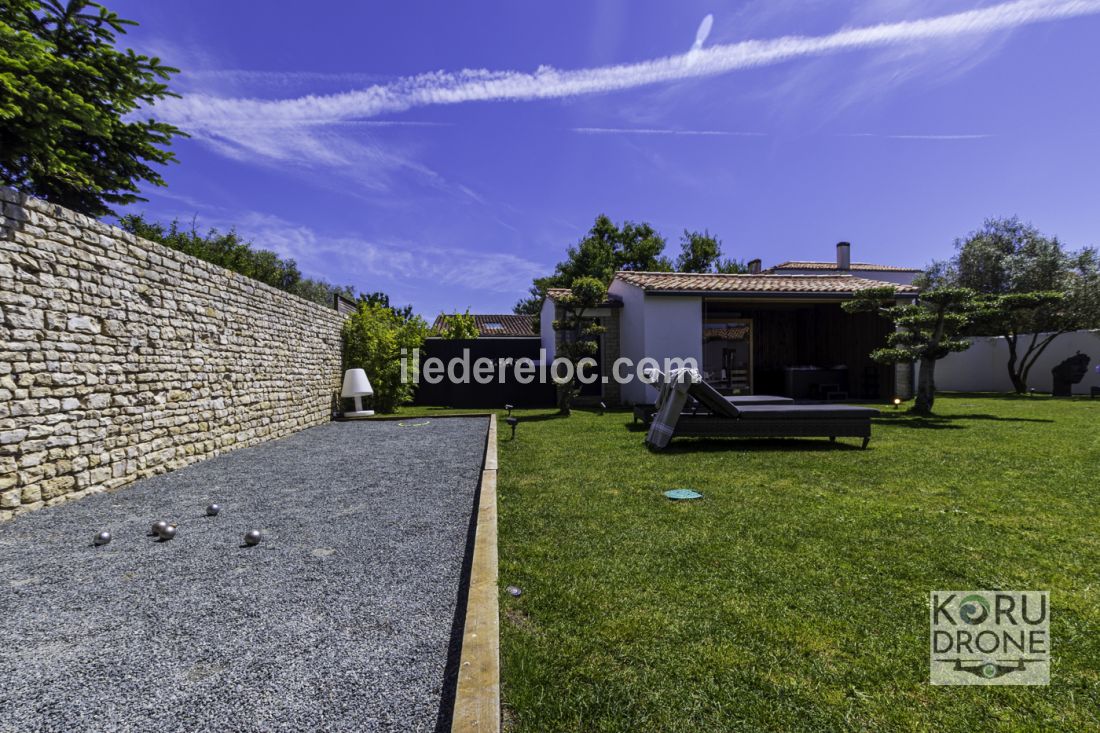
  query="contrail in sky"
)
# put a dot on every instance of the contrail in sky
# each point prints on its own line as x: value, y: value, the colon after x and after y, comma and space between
x: 199, y: 111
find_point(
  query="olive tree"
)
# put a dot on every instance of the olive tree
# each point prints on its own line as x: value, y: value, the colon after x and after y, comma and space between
x: 1034, y: 289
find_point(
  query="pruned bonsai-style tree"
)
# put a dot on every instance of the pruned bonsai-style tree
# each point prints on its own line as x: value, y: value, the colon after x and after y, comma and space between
x: 925, y: 331
x: 579, y: 332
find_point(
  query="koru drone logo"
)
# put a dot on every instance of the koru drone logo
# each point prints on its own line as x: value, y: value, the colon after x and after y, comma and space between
x: 989, y: 637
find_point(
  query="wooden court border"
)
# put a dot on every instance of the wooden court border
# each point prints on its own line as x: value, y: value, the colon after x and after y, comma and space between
x: 477, y: 694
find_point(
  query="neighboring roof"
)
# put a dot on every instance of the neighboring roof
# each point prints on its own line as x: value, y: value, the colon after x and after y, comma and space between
x: 865, y: 266
x: 502, y: 324
x: 764, y: 284
x: 556, y: 294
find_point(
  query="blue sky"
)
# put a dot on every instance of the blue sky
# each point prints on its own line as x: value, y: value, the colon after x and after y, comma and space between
x: 446, y: 153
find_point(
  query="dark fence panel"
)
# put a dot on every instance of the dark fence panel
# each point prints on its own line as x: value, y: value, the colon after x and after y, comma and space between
x: 495, y: 394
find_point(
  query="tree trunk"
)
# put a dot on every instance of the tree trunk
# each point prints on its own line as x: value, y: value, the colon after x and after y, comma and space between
x: 1034, y: 353
x: 565, y: 399
x: 1019, y: 383
x: 926, y: 387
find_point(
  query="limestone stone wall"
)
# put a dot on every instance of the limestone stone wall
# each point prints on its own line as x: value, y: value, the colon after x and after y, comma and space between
x: 121, y: 358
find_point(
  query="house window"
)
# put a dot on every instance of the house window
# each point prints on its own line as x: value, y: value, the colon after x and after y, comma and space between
x: 493, y: 326
x: 727, y: 354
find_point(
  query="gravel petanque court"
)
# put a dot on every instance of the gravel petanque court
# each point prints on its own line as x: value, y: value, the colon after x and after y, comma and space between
x: 341, y: 619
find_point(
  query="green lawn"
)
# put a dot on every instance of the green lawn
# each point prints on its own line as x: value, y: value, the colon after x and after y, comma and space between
x: 794, y: 596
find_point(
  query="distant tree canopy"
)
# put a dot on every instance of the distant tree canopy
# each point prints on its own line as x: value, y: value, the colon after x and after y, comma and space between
x: 608, y: 248
x: 74, y: 123
x: 1032, y: 288
x: 229, y: 250
x: 701, y: 252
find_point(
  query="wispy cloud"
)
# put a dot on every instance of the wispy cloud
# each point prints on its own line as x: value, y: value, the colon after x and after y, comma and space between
x: 397, y: 266
x: 662, y: 131
x: 205, y: 113
x: 958, y: 136
x: 314, y: 131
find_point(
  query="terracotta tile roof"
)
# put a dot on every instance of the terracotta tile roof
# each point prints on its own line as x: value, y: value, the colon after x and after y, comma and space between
x: 557, y: 293
x: 503, y: 324
x: 766, y: 284
x: 866, y: 266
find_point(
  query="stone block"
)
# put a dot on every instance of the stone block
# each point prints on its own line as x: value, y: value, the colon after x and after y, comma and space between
x: 83, y: 324
x: 13, y: 436
x: 55, y: 487
x: 9, y: 499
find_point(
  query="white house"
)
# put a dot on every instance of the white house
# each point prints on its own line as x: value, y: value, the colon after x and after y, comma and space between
x: 771, y: 332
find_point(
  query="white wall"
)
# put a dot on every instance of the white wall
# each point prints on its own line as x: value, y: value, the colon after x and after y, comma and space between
x: 656, y: 326
x: 982, y: 367
x: 631, y: 332
x: 546, y: 329
x: 672, y: 328
x: 900, y: 278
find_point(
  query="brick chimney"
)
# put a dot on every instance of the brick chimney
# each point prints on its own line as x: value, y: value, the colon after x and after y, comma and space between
x: 754, y: 267
x: 843, y: 256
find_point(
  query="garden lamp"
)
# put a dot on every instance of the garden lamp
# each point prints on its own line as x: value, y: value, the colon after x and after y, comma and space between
x: 897, y: 401
x: 357, y: 386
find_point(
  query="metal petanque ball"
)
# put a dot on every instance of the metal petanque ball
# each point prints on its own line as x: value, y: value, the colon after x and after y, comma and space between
x: 168, y: 532
x: 252, y: 538
x: 102, y: 538
x: 212, y: 510
x: 158, y: 527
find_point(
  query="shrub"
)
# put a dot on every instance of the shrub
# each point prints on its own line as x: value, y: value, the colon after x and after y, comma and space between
x: 459, y: 326
x: 373, y: 339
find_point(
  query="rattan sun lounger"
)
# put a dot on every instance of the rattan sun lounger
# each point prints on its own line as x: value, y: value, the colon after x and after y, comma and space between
x: 723, y: 418
x: 645, y: 411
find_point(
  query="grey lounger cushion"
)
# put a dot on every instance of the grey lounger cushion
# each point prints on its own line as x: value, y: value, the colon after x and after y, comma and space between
x: 808, y: 412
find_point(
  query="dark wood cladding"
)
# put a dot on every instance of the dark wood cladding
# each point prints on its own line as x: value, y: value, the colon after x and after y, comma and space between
x: 817, y: 334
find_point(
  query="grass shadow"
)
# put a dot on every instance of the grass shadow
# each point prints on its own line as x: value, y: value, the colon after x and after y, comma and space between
x: 947, y: 422
x: 704, y: 445
x: 536, y: 418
